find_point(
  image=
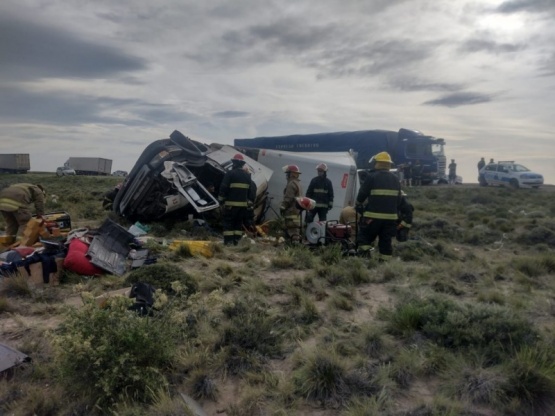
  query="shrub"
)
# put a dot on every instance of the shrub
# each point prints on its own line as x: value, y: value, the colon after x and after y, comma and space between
x: 531, y: 380
x: 15, y: 285
x: 250, y: 336
x: 162, y: 275
x: 203, y: 386
x: 321, y: 376
x: 112, y: 354
x: 475, y: 383
x: 294, y: 257
x: 537, y: 235
x: 449, y: 324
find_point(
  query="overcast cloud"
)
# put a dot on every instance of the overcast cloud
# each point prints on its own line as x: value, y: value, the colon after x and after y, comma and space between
x: 107, y: 78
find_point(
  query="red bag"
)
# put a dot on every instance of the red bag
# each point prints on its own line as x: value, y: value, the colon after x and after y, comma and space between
x: 77, y: 260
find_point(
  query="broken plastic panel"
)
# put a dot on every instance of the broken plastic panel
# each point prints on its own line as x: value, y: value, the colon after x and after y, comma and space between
x: 189, y: 187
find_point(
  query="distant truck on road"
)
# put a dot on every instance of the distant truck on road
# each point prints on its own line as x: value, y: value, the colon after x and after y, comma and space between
x: 15, y: 163
x: 90, y: 165
x: 405, y: 146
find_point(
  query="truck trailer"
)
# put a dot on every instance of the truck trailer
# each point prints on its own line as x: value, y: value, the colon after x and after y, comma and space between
x: 90, y: 165
x: 15, y: 163
x: 342, y: 171
x: 405, y: 146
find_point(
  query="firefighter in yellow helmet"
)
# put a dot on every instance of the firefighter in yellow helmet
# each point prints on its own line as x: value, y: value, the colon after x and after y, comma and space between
x: 321, y: 190
x: 382, y: 191
x: 234, y: 198
x: 288, y: 208
x: 14, y: 205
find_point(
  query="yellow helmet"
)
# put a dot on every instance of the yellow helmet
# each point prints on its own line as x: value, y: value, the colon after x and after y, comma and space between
x: 383, y: 157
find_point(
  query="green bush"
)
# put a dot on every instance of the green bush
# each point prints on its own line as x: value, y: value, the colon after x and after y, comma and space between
x: 321, y: 376
x: 162, y: 276
x: 250, y: 336
x: 537, y: 235
x: 111, y: 354
x: 490, y: 328
x: 531, y: 381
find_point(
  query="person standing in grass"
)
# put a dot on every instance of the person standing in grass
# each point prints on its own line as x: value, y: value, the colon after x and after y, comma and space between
x: 234, y: 199
x: 321, y: 190
x: 288, y: 208
x: 382, y: 192
x: 452, y: 172
x: 417, y: 173
x: 14, y: 206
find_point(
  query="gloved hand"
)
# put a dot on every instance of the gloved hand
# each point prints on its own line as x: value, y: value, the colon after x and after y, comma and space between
x: 330, y: 205
x: 359, y: 208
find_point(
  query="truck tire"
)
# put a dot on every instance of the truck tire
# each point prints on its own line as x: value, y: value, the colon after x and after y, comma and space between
x: 513, y: 184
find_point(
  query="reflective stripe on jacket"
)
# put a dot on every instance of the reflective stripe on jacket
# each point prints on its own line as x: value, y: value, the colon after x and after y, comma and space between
x: 383, y: 190
x: 234, y: 190
x: 22, y: 195
x: 321, y: 190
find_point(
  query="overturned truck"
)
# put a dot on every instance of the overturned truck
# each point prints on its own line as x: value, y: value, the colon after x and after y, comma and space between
x: 180, y: 176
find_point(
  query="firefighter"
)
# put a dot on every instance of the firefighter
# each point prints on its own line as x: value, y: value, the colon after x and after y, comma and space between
x: 404, y: 220
x: 248, y: 221
x: 14, y: 205
x: 321, y: 190
x: 288, y: 208
x: 382, y: 191
x: 234, y: 199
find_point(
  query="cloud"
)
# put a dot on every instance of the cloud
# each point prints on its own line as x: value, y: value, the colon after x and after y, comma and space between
x: 459, y: 99
x: 333, y: 50
x: 490, y: 46
x: 231, y: 114
x: 32, y: 50
x: 18, y: 105
x: 532, y: 6
x: 415, y: 84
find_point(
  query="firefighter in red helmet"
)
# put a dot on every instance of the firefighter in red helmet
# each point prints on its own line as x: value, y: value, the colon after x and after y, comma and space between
x: 234, y: 198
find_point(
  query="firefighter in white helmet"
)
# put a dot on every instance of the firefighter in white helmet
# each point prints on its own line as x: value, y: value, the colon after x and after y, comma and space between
x: 288, y: 208
x: 321, y: 190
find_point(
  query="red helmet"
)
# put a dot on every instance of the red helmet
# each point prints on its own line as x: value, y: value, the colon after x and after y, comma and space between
x: 305, y: 203
x: 238, y: 156
x: 291, y: 168
x: 323, y: 167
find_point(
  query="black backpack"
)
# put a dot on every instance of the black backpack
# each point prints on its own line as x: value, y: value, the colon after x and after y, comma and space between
x: 144, y: 298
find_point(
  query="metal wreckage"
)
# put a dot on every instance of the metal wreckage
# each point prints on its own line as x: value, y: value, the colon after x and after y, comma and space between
x: 180, y: 177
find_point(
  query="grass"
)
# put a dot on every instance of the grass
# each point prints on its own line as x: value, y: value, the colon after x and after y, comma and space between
x: 460, y: 322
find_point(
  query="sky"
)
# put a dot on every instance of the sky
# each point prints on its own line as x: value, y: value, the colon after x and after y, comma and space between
x: 105, y: 78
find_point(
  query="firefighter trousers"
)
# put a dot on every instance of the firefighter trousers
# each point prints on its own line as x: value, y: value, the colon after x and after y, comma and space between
x: 384, y: 230
x: 232, y: 223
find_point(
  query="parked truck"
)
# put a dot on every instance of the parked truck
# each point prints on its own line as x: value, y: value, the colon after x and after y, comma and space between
x: 90, y: 165
x: 404, y: 146
x: 15, y: 163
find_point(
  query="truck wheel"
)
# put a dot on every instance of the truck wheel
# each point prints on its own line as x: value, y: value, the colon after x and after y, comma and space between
x: 482, y: 181
x: 513, y: 183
